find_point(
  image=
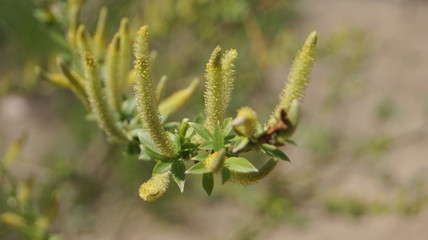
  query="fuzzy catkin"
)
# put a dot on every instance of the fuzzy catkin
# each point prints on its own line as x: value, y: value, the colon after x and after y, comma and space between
x: 298, y: 78
x: 214, y: 91
x: 113, y: 88
x: 97, y: 101
x: 155, y: 187
x: 146, y: 96
x: 252, y: 177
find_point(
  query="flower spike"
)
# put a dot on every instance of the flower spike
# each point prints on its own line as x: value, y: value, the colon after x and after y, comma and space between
x: 298, y: 78
x: 145, y: 95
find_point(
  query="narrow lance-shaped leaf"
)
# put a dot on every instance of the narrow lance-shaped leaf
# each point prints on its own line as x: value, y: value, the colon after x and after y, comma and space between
x: 218, y: 140
x: 201, y: 131
x: 177, y: 169
x: 97, y: 101
x: 274, y: 152
x: 298, y: 78
x: 208, y: 183
x: 145, y: 95
x: 239, y: 164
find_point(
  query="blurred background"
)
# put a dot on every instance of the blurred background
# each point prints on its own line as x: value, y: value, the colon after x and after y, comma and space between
x: 359, y: 170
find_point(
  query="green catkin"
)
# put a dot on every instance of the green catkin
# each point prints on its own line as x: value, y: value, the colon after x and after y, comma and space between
x: 73, y: 19
x: 214, y: 91
x: 76, y: 82
x: 99, y: 34
x: 298, y: 78
x: 125, y: 54
x: 252, y: 177
x: 146, y: 97
x: 160, y: 88
x: 83, y: 41
x: 229, y: 75
x: 172, y: 103
x: 112, y: 84
x: 97, y: 102
x: 220, y: 76
x: 155, y: 187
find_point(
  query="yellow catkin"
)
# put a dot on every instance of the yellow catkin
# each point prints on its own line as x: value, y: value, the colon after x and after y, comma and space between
x: 113, y: 84
x: 155, y: 187
x: 146, y: 96
x: 229, y: 75
x: 298, y: 78
x: 13, y: 219
x: 99, y: 34
x: 246, y: 121
x: 125, y: 54
x: 74, y: 7
x: 253, y: 177
x: 83, y: 41
x: 172, y: 103
x: 214, y: 101
x: 215, y: 161
x: 160, y: 88
x: 98, y: 103
x: 76, y: 82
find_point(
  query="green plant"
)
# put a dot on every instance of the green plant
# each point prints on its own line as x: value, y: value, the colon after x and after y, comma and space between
x: 206, y: 145
x: 19, y: 204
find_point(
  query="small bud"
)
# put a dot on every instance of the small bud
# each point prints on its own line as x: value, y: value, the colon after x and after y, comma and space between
x: 155, y: 187
x: 245, y: 121
x: 215, y: 161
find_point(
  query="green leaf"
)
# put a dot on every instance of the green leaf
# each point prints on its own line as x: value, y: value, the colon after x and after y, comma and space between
x: 225, y: 175
x: 239, y: 164
x: 259, y: 129
x: 189, y: 133
x: 175, y: 138
x: 200, y: 156
x: 161, y: 167
x: 184, y: 126
x: 227, y: 126
x: 188, y: 145
x: 156, y: 156
x: 178, y: 173
x: 218, y: 140
x: 146, y: 140
x: 240, y: 144
x: 201, y: 131
x: 208, y: 182
x: 198, y: 168
x: 274, y: 152
x: 206, y: 145
x: 292, y: 142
